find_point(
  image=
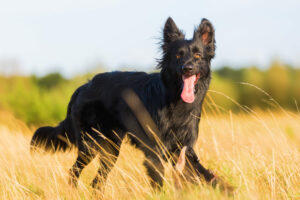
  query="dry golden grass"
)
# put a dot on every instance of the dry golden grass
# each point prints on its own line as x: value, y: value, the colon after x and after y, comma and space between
x: 258, y: 153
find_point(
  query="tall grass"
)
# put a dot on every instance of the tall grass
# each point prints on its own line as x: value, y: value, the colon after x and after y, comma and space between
x: 257, y: 152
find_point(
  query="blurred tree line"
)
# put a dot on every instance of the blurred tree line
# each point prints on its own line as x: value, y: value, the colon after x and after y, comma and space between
x: 274, y: 88
x: 43, y: 100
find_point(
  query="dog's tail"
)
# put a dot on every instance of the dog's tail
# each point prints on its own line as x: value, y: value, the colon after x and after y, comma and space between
x: 59, y: 138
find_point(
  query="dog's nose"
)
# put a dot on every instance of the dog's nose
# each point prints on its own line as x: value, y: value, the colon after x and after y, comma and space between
x: 187, y: 68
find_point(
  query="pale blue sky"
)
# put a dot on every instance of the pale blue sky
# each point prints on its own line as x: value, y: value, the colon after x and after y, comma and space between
x: 71, y: 36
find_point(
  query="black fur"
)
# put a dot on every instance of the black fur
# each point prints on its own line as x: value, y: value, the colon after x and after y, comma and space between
x: 100, y: 115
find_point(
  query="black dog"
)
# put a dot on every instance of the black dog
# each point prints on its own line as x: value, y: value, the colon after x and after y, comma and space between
x: 112, y: 105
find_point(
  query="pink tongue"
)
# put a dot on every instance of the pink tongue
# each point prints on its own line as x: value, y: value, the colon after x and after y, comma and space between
x: 187, y: 94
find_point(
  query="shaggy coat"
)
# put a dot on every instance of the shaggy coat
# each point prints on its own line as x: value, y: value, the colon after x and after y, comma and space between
x: 159, y: 112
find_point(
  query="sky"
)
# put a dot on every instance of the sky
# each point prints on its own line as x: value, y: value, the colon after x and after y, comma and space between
x: 74, y: 36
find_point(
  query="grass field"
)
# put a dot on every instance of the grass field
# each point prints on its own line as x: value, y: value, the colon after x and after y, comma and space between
x: 257, y: 153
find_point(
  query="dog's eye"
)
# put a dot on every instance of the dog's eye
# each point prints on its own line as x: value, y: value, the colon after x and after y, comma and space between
x: 197, y: 55
x: 179, y: 54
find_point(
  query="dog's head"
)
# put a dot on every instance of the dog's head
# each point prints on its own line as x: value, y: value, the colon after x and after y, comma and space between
x: 184, y: 61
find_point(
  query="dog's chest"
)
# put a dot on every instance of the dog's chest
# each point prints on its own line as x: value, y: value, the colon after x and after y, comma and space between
x: 178, y: 125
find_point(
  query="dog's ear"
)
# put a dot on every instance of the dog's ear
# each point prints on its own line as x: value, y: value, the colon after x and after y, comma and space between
x: 206, y: 33
x: 181, y: 161
x: 171, y: 33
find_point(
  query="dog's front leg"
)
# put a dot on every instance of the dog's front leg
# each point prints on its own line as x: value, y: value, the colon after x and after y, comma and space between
x: 155, y: 170
x: 192, y: 156
x: 189, y: 165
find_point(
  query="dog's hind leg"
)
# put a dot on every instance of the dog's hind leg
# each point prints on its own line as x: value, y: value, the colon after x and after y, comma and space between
x: 84, y: 157
x: 86, y: 153
x: 108, y: 157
